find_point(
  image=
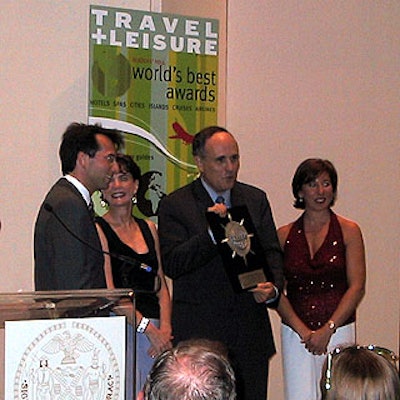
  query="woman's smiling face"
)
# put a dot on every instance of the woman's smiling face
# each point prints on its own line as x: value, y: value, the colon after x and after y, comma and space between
x: 121, y: 189
x: 318, y: 193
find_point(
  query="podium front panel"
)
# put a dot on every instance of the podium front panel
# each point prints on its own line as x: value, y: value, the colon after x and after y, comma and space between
x: 68, y: 344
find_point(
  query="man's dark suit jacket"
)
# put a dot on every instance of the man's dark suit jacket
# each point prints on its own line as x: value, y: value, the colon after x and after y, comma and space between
x: 204, y: 304
x: 62, y: 262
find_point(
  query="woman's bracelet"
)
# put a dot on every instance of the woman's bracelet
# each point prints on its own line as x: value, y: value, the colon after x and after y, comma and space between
x: 143, y: 324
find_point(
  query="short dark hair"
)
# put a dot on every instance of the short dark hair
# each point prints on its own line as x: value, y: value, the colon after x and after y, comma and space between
x: 127, y: 164
x: 193, y: 370
x: 201, y: 138
x: 309, y: 170
x: 81, y: 137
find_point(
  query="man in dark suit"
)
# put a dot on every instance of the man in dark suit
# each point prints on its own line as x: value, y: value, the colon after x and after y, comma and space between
x: 204, y: 302
x: 67, y: 248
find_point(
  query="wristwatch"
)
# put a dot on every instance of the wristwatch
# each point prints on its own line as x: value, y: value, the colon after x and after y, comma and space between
x: 332, y: 325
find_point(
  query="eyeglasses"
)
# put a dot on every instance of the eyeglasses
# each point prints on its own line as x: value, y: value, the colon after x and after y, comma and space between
x: 381, y: 351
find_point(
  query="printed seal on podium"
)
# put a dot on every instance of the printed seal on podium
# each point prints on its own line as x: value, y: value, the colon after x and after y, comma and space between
x: 71, y: 359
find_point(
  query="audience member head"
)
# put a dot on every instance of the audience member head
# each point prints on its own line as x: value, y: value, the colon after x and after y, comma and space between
x: 308, y: 171
x: 216, y: 154
x: 360, y: 373
x: 193, y: 370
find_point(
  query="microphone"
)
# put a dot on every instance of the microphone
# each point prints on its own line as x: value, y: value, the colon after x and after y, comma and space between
x: 136, y: 263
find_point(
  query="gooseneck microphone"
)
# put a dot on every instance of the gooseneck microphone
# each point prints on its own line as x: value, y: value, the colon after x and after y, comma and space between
x: 131, y: 261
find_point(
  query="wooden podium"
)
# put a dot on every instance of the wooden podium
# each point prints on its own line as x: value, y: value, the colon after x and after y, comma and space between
x: 77, y: 344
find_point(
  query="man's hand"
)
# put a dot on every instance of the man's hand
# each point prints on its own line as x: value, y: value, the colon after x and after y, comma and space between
x: 263, y: 292
x: 218, y: 208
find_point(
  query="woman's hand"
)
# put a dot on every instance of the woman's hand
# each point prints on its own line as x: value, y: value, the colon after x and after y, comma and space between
x: 305, y: 334
x: 317, y: 342
x: 160, y: 340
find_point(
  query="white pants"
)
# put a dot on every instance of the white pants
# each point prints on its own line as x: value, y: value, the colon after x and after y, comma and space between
x: 301, y: 369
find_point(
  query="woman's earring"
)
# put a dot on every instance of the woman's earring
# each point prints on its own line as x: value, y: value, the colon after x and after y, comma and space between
x: 134, y: 199
x: 103, y: 201
x: 301, y: 200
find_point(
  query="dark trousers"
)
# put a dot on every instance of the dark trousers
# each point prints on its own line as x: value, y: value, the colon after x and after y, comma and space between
x: 251, y: 376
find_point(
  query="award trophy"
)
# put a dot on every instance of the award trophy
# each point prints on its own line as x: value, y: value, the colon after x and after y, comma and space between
x: 240, y: 249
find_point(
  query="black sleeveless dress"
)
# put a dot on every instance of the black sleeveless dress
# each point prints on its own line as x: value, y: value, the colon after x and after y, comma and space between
x: 132, y: 276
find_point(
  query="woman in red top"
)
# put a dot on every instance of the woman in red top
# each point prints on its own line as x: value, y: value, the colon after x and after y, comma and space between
x: 324, y: 267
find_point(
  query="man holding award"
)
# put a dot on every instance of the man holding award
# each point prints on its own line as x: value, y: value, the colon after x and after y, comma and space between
x: 219, y: 246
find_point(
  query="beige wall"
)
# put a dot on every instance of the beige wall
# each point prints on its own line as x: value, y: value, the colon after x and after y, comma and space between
x: 303, y: 79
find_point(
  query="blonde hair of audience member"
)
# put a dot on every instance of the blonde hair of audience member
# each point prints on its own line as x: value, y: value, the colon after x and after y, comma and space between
x: 360, y: 374
x: 193, y: 370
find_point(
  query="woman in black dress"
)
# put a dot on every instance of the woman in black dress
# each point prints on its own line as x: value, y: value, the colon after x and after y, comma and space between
x: 122, y: 233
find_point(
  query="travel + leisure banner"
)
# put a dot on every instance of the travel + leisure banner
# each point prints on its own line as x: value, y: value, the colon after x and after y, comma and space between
x: 154, y: 76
